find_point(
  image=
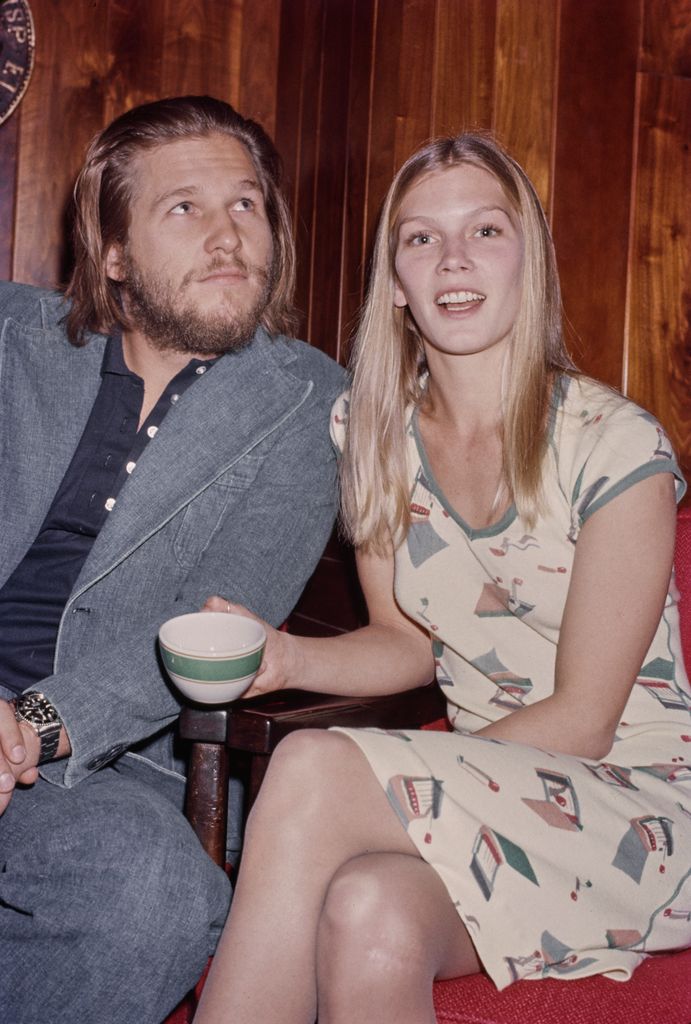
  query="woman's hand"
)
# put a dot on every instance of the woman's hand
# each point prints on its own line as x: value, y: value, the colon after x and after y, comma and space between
x: 280, y: 667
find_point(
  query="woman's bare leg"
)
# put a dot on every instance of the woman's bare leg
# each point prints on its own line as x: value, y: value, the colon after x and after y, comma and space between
x: 319, y: 808
x: 387, y: 930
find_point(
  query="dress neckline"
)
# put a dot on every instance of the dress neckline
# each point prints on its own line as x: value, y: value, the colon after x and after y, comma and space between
x: 557, y: 396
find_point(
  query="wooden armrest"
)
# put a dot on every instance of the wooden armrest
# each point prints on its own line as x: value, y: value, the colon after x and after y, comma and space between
x: 258, y: 725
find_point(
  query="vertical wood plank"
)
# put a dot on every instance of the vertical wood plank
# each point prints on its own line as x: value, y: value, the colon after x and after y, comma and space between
x: 132, y: 77
x: 297, y: 128
x: 464, y: 65
x: 385, y: 107
x: 525, y: 86
x: 414, y: 106
x: 659, y: 342
x: 290, y: 92
x: 592, y: 177
x: 62, y: 109
x: 9, y: 141
x: 303, y: 38
x: 402, y: 97
x: 355, y: 247
x: 198, y: 52
x: 666, y: 48
x: 259, y: 62
x: 327, y: 224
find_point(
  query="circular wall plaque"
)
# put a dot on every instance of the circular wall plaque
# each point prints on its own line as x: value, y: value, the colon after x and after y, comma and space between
x: 16, y: 53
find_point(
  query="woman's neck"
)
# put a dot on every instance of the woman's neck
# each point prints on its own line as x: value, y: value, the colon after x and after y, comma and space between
x: 464, y: 393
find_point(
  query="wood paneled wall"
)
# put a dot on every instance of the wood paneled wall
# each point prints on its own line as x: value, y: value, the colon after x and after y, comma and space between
x: 592, y: 96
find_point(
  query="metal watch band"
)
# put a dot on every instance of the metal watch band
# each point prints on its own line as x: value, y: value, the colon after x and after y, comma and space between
x: 50, y: 738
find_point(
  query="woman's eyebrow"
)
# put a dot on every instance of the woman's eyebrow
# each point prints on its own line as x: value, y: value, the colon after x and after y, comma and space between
x: 471, y: 213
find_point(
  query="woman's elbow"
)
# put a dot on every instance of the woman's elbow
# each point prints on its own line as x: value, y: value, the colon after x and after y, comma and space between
x: 596, y: 744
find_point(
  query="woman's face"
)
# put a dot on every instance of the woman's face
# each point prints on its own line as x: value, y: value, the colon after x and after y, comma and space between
x: 459, y: 260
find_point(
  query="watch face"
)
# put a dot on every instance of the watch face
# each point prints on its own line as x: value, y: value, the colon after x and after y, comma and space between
x: 36, y: 708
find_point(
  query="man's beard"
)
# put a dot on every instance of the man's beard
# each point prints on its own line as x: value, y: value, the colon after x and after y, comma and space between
x: 154, y: 308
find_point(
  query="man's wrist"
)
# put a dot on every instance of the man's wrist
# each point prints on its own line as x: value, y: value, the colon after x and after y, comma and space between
x: 35, y: 714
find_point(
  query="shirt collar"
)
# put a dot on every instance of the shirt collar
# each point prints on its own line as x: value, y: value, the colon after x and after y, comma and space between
x: 114, y: 360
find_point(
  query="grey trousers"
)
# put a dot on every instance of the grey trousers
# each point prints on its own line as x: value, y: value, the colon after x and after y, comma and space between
x: 109, y: 907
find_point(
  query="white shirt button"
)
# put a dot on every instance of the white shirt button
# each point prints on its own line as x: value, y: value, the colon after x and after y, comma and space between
x: 174, y: 399
x: 200, y: 370
x: 151, y: 431
x: 130, y: 466
x: 110, y: 504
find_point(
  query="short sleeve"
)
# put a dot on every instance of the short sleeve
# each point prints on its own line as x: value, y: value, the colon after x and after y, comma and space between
x: 338, y: 424
x: 615, y: 444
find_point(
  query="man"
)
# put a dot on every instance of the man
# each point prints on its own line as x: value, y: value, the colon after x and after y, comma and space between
x: 162, y: 441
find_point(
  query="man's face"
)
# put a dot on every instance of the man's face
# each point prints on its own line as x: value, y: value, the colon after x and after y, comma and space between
x: 197, y: 269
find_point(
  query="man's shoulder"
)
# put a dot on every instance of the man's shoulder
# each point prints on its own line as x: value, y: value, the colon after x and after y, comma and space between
x: 310, y: 363
x: 31, y: 306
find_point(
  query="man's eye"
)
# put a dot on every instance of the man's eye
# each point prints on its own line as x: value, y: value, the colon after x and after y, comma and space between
x: 182, y: 208
x: 244, y: 204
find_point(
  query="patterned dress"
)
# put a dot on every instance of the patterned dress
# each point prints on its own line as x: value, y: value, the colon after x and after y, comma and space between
x: 559, y: 866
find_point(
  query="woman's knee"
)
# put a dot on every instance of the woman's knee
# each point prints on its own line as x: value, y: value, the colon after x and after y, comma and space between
x: 310, y: 752
x: 368, y: 918
x: 305, y: 772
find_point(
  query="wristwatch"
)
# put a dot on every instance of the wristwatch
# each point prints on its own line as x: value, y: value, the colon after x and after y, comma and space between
x: 37, y: 711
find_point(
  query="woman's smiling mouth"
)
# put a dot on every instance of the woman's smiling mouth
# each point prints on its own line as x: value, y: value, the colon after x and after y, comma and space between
x: 459, y: 301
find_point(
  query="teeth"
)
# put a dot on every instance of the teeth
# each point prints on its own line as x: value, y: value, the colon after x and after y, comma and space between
x: 457, y: 298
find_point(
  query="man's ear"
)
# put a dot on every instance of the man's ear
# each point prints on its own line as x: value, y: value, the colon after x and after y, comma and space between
x: 114, y: 267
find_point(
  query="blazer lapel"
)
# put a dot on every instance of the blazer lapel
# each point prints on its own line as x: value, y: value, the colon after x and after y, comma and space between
x: 220, y: 418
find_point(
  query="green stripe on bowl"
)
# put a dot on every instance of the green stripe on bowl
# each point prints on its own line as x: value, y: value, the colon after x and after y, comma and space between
x: 205, y: 670
x: 212, y: 655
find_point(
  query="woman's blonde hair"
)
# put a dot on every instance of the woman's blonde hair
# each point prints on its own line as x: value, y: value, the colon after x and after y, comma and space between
x: 388, y: 357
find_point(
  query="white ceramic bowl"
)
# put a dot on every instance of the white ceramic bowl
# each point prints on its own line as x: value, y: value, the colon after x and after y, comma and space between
x: 212, y: 657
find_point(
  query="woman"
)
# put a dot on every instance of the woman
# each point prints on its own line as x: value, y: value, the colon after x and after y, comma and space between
x: 522, y: 517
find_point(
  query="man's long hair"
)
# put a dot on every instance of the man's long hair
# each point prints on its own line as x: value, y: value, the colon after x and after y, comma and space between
x: 103, y: 196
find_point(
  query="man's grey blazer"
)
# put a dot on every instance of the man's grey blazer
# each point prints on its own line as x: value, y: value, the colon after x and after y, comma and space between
x: 235, y: 495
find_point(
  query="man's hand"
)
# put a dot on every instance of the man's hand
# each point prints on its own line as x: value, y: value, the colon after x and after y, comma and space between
x: 20, y: 748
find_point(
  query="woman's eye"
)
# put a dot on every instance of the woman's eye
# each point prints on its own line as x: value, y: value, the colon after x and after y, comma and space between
x: 244, y: 204
x: 182, y: 208
x: 421, y: 238
x: 487, y: 231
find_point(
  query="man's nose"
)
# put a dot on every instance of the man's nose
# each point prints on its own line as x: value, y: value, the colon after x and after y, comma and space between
x: 223, y: 234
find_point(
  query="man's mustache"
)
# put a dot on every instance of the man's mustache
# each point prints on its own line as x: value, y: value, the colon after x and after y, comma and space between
x: 235, y: 264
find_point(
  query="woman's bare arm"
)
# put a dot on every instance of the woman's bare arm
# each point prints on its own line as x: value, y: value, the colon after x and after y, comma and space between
x: 389, y: 655
x: 618, y: 588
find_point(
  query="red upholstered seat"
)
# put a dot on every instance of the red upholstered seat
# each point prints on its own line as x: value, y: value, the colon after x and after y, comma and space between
x: 658, y: 993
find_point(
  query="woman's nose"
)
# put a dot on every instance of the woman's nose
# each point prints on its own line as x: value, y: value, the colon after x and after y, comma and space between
x: 456, y: 255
